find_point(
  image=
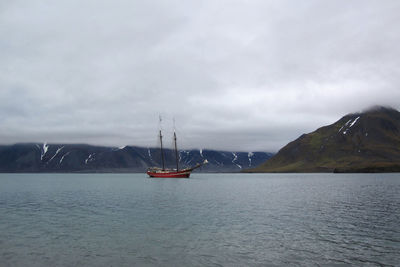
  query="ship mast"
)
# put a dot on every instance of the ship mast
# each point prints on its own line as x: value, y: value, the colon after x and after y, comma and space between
x: 176, y: 148
x: 176, y: 153
x: 162, y: 151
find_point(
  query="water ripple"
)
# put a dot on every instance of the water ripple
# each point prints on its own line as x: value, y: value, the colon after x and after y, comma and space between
x: 208, y: 220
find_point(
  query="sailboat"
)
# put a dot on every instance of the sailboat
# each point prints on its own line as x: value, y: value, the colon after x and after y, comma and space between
x: 156, y: 172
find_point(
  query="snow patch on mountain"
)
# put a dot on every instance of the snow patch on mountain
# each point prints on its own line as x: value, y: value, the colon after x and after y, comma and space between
x: 44, y: 151
x: 354, y: 122
x: 234, y: 159
x: 58, y: 150
x: 66, y: 154
x: 351, y: 122
x: 90, y: 158
x: 118, y: 148
x: 250, y: 155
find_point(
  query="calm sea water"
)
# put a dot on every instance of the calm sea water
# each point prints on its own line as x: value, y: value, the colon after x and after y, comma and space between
x: 207, y: 220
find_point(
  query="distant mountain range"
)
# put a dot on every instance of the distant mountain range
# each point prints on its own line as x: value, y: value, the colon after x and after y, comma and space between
x: 87, y: 158
x: 360, y: 142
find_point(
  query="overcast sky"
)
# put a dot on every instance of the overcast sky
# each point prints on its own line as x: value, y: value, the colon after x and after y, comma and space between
x: 236, y: 75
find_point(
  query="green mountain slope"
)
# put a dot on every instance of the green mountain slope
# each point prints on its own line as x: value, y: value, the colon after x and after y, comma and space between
x: 361, y: 142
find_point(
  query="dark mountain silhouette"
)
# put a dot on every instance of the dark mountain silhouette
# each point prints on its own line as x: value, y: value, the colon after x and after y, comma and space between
x: 360, y: 142
x: 87, y: 158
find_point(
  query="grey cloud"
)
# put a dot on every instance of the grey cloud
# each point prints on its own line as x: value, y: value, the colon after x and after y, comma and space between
x: 248, y: 75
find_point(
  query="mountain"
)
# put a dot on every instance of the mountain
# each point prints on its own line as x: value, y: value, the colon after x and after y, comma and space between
x: 360, y: 142
x: 87, y: 158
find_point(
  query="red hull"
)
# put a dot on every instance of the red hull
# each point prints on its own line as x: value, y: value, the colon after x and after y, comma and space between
x: 169, y: 174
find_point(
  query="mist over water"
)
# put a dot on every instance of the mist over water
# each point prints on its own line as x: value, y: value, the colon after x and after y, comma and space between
x: 207, y: 220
